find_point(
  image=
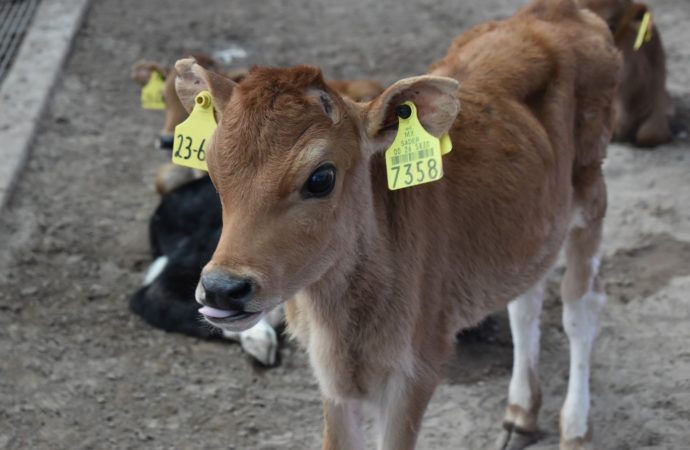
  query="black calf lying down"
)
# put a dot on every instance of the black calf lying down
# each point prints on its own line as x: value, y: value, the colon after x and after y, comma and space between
x: 184, y: 231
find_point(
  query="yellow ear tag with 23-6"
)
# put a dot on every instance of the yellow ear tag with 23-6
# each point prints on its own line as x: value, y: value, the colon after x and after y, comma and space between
x: 192, y: 135
x: 415, y: 156
x: 152, y: 92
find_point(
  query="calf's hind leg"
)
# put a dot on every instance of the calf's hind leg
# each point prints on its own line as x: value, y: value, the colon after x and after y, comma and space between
x: 583, y: 299
x: 524, y: 397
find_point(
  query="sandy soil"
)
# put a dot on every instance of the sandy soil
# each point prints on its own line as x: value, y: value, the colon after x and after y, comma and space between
x: 78, y: 371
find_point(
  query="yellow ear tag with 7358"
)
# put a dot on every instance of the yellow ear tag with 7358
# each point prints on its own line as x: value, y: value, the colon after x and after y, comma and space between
x: 415, y: 155
x: 192, y: 135
x: 152, y: 92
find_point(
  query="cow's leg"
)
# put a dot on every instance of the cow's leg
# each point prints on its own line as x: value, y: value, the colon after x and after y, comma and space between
x: 401, y: 409
x: 342, y: 428
x: 524, y: 396
x: 655, y: 130
x: 583, y: 299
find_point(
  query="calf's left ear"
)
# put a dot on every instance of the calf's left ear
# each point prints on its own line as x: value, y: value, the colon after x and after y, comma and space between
x: 434, y: 97
x: 192, y: 78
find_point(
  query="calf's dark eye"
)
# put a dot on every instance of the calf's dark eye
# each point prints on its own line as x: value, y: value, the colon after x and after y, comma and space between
x: 320, y: 183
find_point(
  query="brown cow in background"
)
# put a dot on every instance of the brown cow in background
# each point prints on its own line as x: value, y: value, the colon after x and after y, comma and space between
x: 643, y: 105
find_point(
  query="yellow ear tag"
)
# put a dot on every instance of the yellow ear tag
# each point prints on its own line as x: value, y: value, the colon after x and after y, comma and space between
x: 650, y: 29
x: 446, y: 144
x: 644, y: 34
x: 152, y: 92
x: 192, y: 135
x: 415, y: 155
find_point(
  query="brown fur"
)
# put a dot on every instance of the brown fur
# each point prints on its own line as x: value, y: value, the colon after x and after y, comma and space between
x: 380, y: 281
x: 643, y: 105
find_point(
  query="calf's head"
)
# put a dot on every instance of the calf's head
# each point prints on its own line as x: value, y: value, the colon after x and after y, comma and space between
x: 290, y: 160
x: 623, y: 17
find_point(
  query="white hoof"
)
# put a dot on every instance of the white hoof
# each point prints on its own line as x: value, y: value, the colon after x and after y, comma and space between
x: 231, y: 335
x: 276, y: 316
x: 261, y: 342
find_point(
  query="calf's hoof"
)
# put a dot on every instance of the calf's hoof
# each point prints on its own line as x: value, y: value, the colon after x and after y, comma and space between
x: 519, y: 427
x: 577, y: 444
x: 576, y: 434
x: 652, y: 133
x: 513, y: 438
x: 261, y: 342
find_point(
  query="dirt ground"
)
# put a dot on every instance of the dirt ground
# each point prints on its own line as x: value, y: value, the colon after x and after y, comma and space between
x: 78, y: 371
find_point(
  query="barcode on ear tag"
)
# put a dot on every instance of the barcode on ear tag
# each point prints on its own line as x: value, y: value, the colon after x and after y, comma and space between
x: 192, y: 136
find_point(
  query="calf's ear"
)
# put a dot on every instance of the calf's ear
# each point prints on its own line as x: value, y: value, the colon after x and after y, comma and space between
x: 142, y: 70
x: 192, y: 78
x: 434, y: 97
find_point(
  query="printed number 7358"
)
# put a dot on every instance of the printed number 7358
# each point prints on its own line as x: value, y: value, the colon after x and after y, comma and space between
x: 415, y: 173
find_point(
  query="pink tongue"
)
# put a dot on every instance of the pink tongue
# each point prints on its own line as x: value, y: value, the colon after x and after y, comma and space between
x: 215, y: 313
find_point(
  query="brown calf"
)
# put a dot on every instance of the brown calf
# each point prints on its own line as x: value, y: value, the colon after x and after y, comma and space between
x: 643, y: 105
x: 380, y: 281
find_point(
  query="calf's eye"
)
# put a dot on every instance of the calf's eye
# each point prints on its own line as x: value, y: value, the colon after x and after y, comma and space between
x: 320, y: 183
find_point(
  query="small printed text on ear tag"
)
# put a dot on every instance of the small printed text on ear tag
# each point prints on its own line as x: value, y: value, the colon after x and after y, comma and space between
x: 192, y: 135
x: 152, y: 92
x: 644, y: 34
x: 415, y: 155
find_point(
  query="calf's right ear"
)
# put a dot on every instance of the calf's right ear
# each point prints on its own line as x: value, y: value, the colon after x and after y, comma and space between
x: 192, y: 79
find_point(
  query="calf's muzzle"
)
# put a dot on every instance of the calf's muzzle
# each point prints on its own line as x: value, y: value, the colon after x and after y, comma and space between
x: 225, y: 291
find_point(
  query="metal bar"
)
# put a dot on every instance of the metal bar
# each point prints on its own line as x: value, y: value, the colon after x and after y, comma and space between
x: 15, y: 30
x: 7, y: 23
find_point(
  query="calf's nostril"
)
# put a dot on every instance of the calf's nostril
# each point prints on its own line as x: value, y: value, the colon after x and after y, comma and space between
x: 241, y: 289
x: 226, y: 292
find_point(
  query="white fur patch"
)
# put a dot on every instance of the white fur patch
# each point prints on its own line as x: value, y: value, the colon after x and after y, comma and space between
x: 227, y: 55
x: 155, y: 269
x: 578, y: 219
x: 231, y: 335
x: 524, y: 314
x: 261, y: 342
x: 344, y: 424
x: 276, y: 316
x: 581, y: 323
x: 391, y: 408
x: 320, y: 353
x: 200, y: 293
